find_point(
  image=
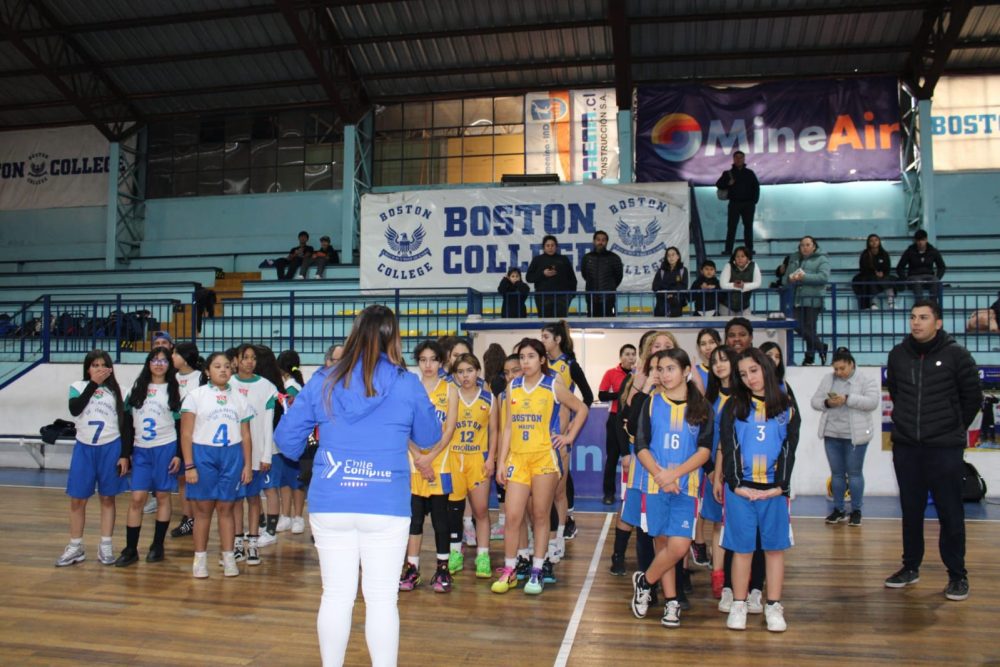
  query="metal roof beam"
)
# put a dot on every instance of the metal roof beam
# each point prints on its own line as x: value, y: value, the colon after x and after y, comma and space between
x: 411, y: 36
x: 748, y: 15
x: 490, y: 69
x: 701, y: 56
x: 621, y: 46
x: 935, y: 40
x: 111, y: 115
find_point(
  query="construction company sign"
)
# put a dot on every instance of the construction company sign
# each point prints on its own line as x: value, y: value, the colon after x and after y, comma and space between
x: 54, y: 168
x: 471, y: 237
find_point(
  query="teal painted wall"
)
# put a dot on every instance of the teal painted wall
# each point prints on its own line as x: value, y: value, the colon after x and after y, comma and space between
x: 968, y: 204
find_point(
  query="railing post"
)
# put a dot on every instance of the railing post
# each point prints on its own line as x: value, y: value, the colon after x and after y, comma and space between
x: 291, y: 320
x: 833, y: 314
x: 46, y: 326
x: 396, y: 303
x: 194, y: 318
x: 119, y: 315
x: 93, y: 328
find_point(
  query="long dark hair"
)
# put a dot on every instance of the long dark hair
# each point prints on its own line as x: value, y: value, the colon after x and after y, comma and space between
x: 665, y: 265
x: 714, y: 384
x: 288, y: 362
x: 538, y: 347
x: 697, y: 406
x: 137, y: 396
x: 775, y: 400
x: 267, y: 368
x: 189, y: 353
x: 560, y: 329
x: 375, y: 332
x: 493, y: 361
x: 779, y: 369
x: 111, y: 383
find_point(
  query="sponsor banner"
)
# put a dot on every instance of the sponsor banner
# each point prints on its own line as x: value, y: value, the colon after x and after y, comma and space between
x: 53, y: 168
x: 470, y: 238
x: 791, y: 132
x: 965, y: 123
x: 573, y: 134
x: 546, y: 133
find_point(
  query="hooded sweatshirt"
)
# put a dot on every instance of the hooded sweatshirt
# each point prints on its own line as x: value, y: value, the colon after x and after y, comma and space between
x: 361, y: 465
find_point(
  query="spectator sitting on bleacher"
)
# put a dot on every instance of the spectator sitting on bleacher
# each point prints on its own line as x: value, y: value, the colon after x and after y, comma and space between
x: 326, y: 254
x: 741, y: 276
x: 874, y: 274
x: 920, y: 265
x: 706, y: 303
x: 287, y: 266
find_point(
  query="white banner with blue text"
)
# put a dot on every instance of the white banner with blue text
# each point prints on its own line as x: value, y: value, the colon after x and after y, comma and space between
x: 965, y: 123
x: 470, y: 237
x: 53, y: 168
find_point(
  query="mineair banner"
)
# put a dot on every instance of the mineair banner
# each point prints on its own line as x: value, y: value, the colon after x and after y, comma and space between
x: 791, y: 132
x: 573, y: 134
x: 469, y: 238
x: 53, y: 168
x: 965, y: 123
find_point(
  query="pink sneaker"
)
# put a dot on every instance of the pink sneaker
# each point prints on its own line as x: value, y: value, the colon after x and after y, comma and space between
x: 410, y: 578
x: 441, y: 581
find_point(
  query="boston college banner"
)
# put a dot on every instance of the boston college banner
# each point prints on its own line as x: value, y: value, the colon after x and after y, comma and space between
x: 53, y: 168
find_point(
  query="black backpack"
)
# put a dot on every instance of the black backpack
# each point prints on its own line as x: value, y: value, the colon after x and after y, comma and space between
x: 973, y: 484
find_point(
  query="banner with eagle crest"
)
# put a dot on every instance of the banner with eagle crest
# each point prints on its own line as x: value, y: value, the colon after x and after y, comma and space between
x: 461, y: 238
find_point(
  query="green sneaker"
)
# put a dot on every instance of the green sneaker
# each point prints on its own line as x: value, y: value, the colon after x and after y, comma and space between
x: 456, y: 561
x: 483, y: 570
x: 535, y: 583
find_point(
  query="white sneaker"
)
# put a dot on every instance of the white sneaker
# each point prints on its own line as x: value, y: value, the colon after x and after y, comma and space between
x: 73, y: 553
x: 106, y: 553
x: 199, y: 569
x: 298, y: 525
x: 671, y: 615
x: 774, y: 614
x: 284, y: 523
x: 469, y: 536
x: 300, y: 277
x: 555, y: 554
x: 737, y: 619
x: 266, y: 539
x: 755, y: 602
x: 150, y: 506
x: 726, y: 601
x: 229, y: 566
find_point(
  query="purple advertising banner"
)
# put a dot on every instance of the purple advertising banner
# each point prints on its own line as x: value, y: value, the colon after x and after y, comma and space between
x: 791, y: 132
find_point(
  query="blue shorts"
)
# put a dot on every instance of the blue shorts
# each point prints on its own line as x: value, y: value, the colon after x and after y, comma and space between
x: 255, y: 486
x: 290, y: 471
x: 634, y: 508
x: 671, y: 515
x: 272, y: 478
x: 95, y: 466
x: 744, y: 518
x: 711, y: 509
x: 151, y: 468
x: 219, y: 470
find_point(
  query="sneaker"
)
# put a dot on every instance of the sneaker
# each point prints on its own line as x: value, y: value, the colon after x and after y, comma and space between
x: 155, y: 553
x: 718, y: 580
x: 548, y: 572
x: 699, y: 554
x: 837, y: 516
x: 496, y: 531
x: 252, y: 552
x: 536, y: 582
x: 441, y: 581
x: 640, y: 595
x: 683, y: 602
x: 904, y: 577
x: 73, y: 553
x: 618, y: 565
x: 469, y: 536
x: 671, y: 615
x: 127, y: 557
x: 184, y: 528
x: 755, y: 602
x: 284, y: 523
x: 199, y: 569
x: 300, y: 277
x: 570, y: 532
x: 855, y: 519
x: 557, y: 549
x: 506, y: 580
x: 523, y: 568
x: 106, y: 554
x: 774, y: 614
x: 317, y: 277
x: 229, y: 566
x: 238, y: 553
x: 150, y: 506
x: 456, y: 561
x: 266, y: 539
x: 483, y: 570
x: 410, y: 578
x: 726, y: 600
x: 957, y: 589
x: 298, y: 525
x: 737, y: 619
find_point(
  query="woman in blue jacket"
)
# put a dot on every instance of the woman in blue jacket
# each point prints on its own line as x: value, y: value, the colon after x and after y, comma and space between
x: 367, y: 407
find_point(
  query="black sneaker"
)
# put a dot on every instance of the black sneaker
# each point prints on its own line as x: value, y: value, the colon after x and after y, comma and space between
x: 699, y: 554
x: 957, y: 589
x: 570, y: 532
x: 129, y: 556
x: 641, y: 593
x: 155, y: 553
x: 838, y: 516
x: 184, y: 528
x: 855, y: 519
x: 618, y: 565
x: 522, y: 568
x: 548, y: 572
x: 905, y: 577
x: 608, y: 500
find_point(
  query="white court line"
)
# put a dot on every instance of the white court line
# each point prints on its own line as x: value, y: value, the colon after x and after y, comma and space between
x: 581, y: 602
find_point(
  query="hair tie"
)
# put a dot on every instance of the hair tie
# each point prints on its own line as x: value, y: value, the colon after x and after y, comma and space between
x: 295, y: 368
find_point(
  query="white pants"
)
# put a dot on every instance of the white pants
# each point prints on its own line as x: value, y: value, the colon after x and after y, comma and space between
x: 378, y: 544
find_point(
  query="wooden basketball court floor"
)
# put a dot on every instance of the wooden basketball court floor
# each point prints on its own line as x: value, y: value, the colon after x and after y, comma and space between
x: 157, y: 614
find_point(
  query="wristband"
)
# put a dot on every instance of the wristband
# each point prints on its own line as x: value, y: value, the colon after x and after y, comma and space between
x: 190, y: 466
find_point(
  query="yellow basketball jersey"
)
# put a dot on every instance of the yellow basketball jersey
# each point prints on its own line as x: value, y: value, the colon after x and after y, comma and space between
x: 534, y: 415
x: 561, y: 368
x: 439, y: 398
x: 473, y: 425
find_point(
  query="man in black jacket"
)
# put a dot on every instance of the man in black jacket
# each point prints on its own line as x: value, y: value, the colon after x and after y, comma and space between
x: 934, y: 385
x: 602, y: 271
x: 743, y: 193
x: 552, y: 272
x: 921, y: 264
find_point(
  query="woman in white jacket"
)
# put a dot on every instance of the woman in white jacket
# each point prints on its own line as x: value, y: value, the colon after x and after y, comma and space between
x: 847, y: 400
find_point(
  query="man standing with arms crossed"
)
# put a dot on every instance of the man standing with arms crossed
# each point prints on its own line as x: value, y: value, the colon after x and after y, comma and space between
x: 602, y: 272
x: 934, y: 385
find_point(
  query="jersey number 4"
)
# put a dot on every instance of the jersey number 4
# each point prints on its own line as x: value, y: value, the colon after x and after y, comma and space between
x: 221, y: 436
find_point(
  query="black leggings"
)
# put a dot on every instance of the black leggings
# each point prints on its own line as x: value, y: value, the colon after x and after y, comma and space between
x: 456, y: 512
x: 437, y: 507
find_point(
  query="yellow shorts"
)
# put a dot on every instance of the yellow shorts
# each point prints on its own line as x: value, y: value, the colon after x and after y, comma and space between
x: 442, y: 484
x: 468, y: 472
x: 522, y: 467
